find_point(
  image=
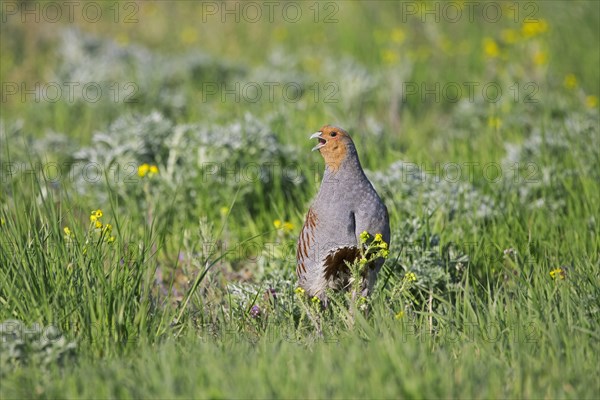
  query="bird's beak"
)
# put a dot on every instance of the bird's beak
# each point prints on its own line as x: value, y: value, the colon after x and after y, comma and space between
x: 322, y: 142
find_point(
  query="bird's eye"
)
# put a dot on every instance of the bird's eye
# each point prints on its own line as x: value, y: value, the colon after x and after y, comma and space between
x: 333, y: 134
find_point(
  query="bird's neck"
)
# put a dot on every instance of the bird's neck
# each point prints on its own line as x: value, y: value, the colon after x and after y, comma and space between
x: 338, y: 182
x: 348, y: 169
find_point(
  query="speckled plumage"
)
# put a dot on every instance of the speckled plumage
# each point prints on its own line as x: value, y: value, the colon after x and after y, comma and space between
x: 345, y: 206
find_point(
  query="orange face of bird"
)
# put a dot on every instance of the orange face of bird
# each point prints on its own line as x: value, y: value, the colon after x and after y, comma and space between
x: 333, y: 142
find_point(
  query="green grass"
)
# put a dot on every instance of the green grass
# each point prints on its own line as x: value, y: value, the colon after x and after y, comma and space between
x: 191, y: 292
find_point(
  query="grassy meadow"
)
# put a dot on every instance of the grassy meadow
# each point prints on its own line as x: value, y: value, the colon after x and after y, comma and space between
x: 156, y: 170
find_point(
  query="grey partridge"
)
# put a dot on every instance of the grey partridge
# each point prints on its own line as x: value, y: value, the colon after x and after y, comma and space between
x: 345, y: 206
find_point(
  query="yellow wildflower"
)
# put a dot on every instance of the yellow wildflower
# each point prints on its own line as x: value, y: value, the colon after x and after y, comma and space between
x: 98, y: 224
x: 534, y: 27
x: 277, y: 224
x: 591, y: 101
x: 111, y: 239
x: 384, y: 253
x: 288, y: 226
x: 107, y: 228
x: 410, y: 277
x: 224, y: 211
x: 147, y: 169
x: 96, y: 215
x: 378, y: 237
x: 490, y: 47
x: 299, y: 291
x: 315, y: 300
x: 399, y: 315
x: 67, y: 232
x: 557, y: 273
x: 364, y: 236
x: 143, y: 170
x: 570, y: 81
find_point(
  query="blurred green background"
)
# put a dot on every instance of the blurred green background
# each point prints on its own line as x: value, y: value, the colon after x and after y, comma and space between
x: 187, y: 123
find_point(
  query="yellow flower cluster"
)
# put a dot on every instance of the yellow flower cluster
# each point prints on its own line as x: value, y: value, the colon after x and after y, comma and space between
x: 570, y: 82
x: 96, y: 225
x: 390, y: 42
x: 364, y: 236
x: 147, y: 169
x: 286, y: 226
x: 531, y: 28
x: 68, y: 234
x: 557, y: 273
x: 490, y: 48
x: 96, y: 215
x: 299, y: 291
x: 95, y: 218
x: 105, y: 229
x: 534, y: 27
x: 410, y: 277
x: 377, y: 248
x: 381, y: 245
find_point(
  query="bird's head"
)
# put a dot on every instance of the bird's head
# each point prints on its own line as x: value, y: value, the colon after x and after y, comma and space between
x: 334, y: 145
